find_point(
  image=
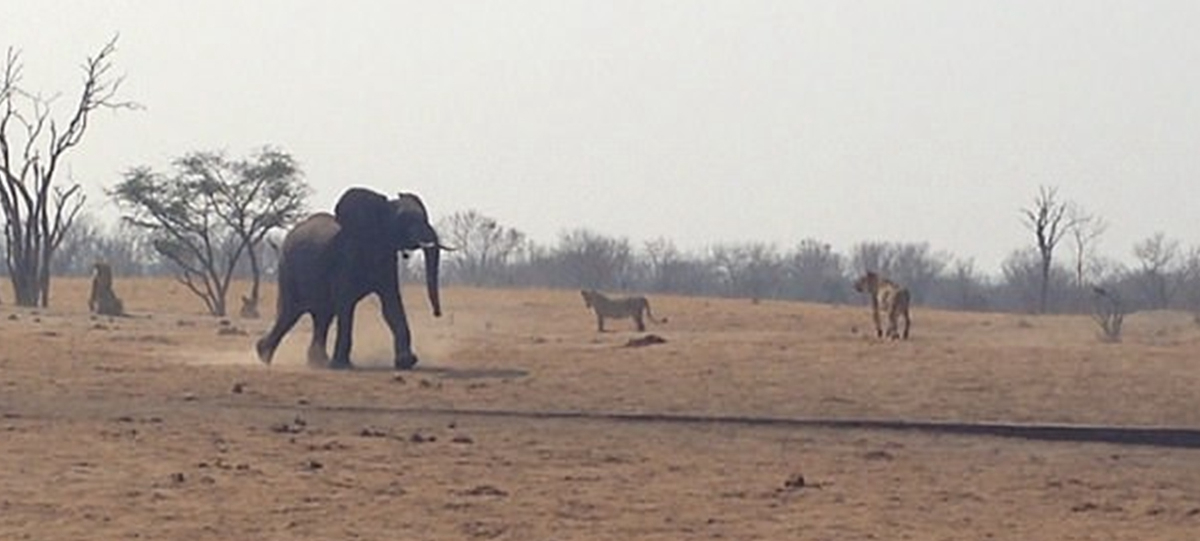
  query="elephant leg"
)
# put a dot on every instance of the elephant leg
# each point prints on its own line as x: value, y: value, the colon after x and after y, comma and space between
x: 393, y: 314
x: 317, y: 355
x: 345, y: 334
x: 267, y: 344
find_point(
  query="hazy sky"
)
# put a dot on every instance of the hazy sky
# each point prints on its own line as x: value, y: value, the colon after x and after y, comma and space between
x: 699, y: 121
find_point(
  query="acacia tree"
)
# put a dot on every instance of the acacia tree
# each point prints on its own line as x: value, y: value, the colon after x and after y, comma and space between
x: 1049, y: 221
x: 38, y: 209
x: 211, y: 212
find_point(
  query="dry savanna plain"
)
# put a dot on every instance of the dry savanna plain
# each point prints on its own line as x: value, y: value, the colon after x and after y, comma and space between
x: 753, y: 420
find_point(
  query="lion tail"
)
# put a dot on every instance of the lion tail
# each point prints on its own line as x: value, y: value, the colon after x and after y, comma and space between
x: 650, y: 315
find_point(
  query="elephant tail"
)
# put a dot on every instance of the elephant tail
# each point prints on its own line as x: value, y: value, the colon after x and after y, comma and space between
x: 283, y: 288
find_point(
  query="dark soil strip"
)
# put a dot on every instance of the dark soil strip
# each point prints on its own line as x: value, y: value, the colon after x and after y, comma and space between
x: 1123, y: 435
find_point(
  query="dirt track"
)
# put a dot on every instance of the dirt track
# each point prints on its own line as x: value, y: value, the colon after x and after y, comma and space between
x: 524, y: 423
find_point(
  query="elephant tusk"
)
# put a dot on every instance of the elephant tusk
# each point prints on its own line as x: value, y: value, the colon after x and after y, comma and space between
x: 438, y: 245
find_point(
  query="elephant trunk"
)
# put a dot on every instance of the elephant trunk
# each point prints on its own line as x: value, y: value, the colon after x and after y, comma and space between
x: 433, y: 255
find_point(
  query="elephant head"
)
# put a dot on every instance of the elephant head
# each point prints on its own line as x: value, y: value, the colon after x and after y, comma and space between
x: 403, y: 224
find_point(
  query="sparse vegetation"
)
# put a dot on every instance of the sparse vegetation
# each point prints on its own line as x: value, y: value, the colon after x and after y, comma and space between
x: 1109, y: 313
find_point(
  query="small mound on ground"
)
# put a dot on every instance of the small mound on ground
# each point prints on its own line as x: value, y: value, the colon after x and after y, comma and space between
x: 648, y: 340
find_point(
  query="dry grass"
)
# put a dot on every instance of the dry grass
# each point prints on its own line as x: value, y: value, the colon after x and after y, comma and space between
x: 166, y: 427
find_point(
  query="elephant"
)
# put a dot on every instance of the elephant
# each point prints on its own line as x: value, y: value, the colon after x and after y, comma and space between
x: 329, y: 262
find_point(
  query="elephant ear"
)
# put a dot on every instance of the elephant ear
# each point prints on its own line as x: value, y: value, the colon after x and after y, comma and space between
x: 362, y: 213
x: 410, y: 203
x: 410, y: 222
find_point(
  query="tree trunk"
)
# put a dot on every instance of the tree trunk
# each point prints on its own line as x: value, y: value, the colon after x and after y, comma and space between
x: 255, y: 274
x: 25, y: 290
x: 1045, y: 290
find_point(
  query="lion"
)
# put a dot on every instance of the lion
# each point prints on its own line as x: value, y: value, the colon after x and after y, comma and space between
x: 104, y: 300
x: 886, y: 296
x: 249, y: 308
x: 618, y: 308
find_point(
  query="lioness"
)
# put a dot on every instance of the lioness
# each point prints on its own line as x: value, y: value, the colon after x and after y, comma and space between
x: 618, y: 308
x: 886, y: 296
x: 104, y: 300
x: 249, y: 308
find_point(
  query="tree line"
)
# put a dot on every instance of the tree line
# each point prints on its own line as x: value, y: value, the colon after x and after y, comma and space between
x: 210, y: 219
x: 490, y: 254
x: 1164, y: 277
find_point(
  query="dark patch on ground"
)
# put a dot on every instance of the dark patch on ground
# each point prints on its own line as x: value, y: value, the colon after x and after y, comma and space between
x: 1185, y: 438
x: 648, y: 340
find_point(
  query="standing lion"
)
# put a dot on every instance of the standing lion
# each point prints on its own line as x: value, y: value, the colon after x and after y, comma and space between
x: 618, y: 308
x: 889, y: 297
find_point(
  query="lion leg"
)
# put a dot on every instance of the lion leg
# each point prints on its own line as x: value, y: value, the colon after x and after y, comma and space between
x: 599, y: 323
x: 878, y: 324
x: 907, y: 323
x: 641, y: 325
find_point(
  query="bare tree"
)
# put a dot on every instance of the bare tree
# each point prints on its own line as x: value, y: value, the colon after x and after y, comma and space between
x: 38, y: 210
x: 588, y: 259
x: 1086, y: 229
x: 917, y: 267
x: 871, y: 256
x: 483, y: 246
x: 660, y: 254
x: 749, y: 269
x: 1189, y: 281
x: 1049, y: 221
x: 966, y: 286
x: 211, y: 213
x: 816, y: 273
x: 1156, y: 255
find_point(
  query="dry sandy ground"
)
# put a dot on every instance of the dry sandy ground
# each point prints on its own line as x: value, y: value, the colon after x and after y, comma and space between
x: 524, y: 423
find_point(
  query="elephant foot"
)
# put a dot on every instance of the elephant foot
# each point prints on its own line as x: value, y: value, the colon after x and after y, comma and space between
x: 264, y: 352
x: 406, y: 361
x: 317, y: 358
x: 340, y: 365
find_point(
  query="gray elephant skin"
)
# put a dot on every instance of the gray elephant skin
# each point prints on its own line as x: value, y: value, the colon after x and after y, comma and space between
x: 329, y: 262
